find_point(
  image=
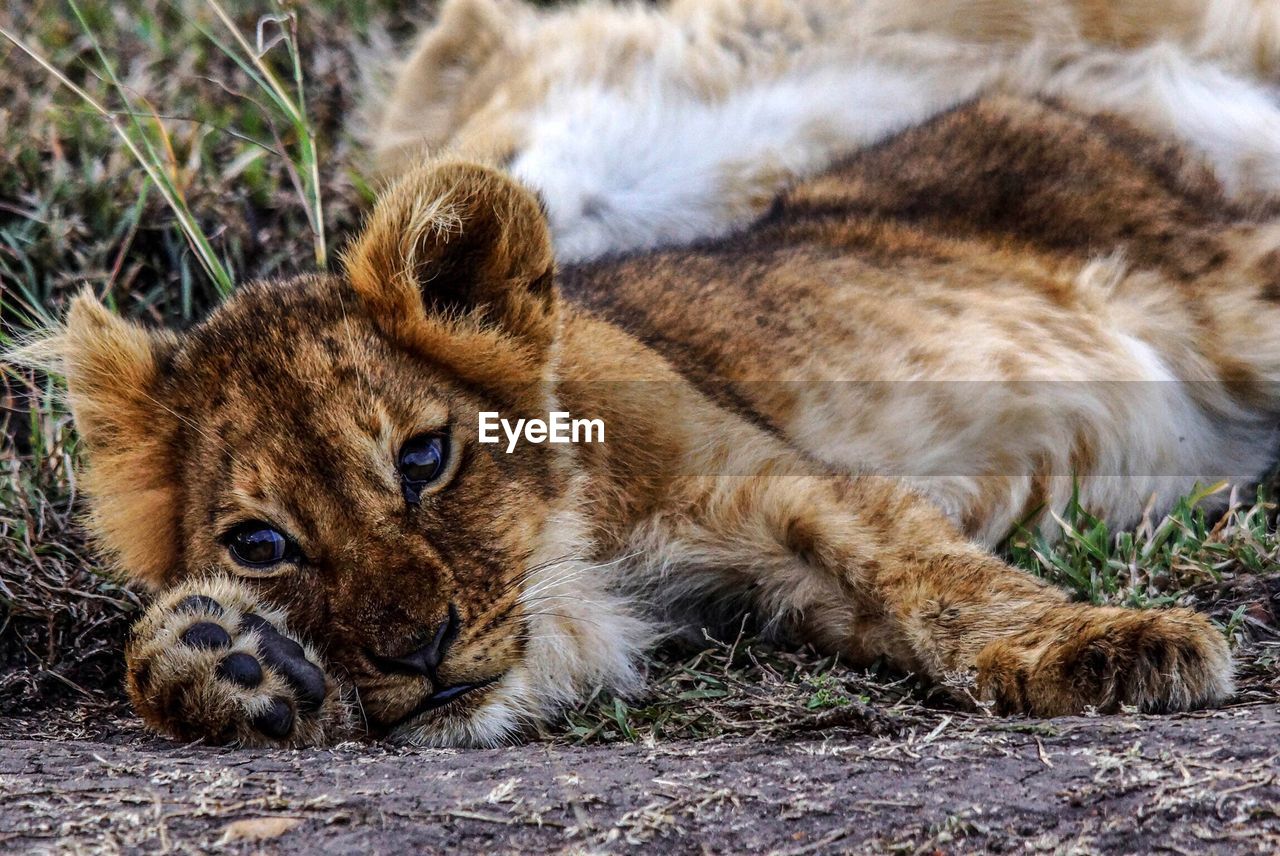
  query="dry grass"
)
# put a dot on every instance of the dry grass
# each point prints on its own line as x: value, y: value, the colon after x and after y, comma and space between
x: 76, y: 210
x: 63, y: 623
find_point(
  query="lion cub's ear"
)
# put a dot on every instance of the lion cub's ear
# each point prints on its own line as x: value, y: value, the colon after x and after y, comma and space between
x: 456, y: 260
x: 111, y: 367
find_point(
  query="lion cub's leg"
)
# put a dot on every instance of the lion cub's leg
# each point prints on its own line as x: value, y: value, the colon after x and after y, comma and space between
x: 209, y: 661
x: 1154, y: 660
x: 869, y: 569
x: 1027, y: 651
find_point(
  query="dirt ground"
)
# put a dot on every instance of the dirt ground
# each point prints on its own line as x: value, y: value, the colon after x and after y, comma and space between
x: 1204, y: 783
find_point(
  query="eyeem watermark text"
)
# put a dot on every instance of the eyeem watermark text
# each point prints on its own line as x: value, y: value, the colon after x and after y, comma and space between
x: 558, y: 427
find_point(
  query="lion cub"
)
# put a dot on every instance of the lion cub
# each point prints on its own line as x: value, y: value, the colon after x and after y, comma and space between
x: 643, y: 126
x: 820, y: 419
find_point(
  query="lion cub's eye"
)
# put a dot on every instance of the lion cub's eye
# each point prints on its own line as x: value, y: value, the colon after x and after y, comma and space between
x: 257, y: 545
x: 421, y: 461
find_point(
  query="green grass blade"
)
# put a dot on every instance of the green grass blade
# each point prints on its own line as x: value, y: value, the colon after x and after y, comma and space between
x: 190, y: 228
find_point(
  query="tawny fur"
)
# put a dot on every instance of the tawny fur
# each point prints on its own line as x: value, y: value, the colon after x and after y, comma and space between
x: 176, y: 684
x: 645, y: 126
x: 933, y: 309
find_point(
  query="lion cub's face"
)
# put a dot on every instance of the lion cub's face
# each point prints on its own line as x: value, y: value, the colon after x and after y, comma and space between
x: 318, y: 437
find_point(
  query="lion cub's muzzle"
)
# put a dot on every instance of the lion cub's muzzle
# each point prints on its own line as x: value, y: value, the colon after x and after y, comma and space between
x: 426, y: 660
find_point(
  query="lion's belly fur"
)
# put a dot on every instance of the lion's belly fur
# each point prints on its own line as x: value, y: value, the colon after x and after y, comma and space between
x: 647, y: 127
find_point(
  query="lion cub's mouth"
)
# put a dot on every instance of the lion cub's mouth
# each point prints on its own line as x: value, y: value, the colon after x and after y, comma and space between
x: 448, y: 696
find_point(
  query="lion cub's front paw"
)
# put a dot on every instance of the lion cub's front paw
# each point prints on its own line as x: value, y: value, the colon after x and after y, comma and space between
x: 1157, y: 661
x: 209, y: 661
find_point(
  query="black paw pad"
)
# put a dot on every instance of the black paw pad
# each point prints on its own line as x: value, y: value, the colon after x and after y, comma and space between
x: 252, y: 621
x: 198, y: 603
x: 240, y: 669
x: 206, y: 634
x: 276, y: 647
x: 276, y: 721
x: 288, y: 658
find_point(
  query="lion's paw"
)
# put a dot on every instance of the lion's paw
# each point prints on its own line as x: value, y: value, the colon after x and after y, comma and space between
x: 1156, y: 661
x: 209, y: 661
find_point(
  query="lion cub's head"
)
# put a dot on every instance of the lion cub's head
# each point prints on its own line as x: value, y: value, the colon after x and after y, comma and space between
x: 318, y: 438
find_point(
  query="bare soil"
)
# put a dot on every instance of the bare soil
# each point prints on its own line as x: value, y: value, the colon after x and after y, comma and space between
x: 956, y: 783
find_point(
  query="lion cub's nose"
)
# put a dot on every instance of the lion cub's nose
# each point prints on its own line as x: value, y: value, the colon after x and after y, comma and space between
x: 425, y: 660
